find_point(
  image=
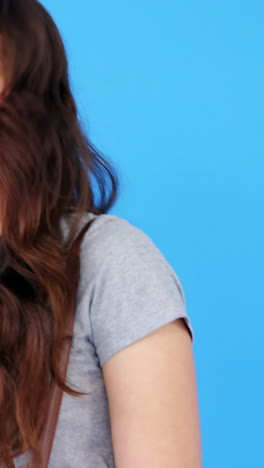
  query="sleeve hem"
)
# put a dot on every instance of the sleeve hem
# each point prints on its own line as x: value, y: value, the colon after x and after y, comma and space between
x: 135, y: 336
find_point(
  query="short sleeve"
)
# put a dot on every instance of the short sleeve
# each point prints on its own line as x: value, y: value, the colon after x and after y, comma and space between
x: 135, y: 292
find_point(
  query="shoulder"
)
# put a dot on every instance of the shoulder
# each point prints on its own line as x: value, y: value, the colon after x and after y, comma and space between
x: 132, y: 288
x: 116, y: 244
x: 114, y: 232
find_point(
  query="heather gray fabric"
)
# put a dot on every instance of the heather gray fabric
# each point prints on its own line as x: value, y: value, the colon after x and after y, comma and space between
x: 127, y: 289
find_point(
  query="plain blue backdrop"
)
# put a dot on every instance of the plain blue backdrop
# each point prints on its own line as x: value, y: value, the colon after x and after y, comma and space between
x: 172, y: 92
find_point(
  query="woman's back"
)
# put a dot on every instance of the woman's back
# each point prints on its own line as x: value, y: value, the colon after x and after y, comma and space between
x: 117, y: 260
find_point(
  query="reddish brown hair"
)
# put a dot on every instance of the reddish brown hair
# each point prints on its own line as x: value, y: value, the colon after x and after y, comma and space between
x: 46, y: 164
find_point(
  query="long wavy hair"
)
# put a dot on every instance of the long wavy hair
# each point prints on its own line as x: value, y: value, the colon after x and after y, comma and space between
x: 46, y: 164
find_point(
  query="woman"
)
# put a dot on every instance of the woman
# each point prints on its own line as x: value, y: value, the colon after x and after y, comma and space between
x: 130, y: 395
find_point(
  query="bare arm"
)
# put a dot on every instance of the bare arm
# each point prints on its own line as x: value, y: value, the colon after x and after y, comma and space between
x: 152, y: 394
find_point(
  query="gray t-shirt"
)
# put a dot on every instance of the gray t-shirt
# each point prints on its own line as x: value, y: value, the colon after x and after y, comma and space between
x: 127, y: 289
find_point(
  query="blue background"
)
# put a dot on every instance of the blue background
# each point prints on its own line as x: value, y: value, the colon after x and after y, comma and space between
x: 172, y: 92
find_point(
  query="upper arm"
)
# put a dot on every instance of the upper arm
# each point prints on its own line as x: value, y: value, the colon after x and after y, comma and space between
x: 152, y: 395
